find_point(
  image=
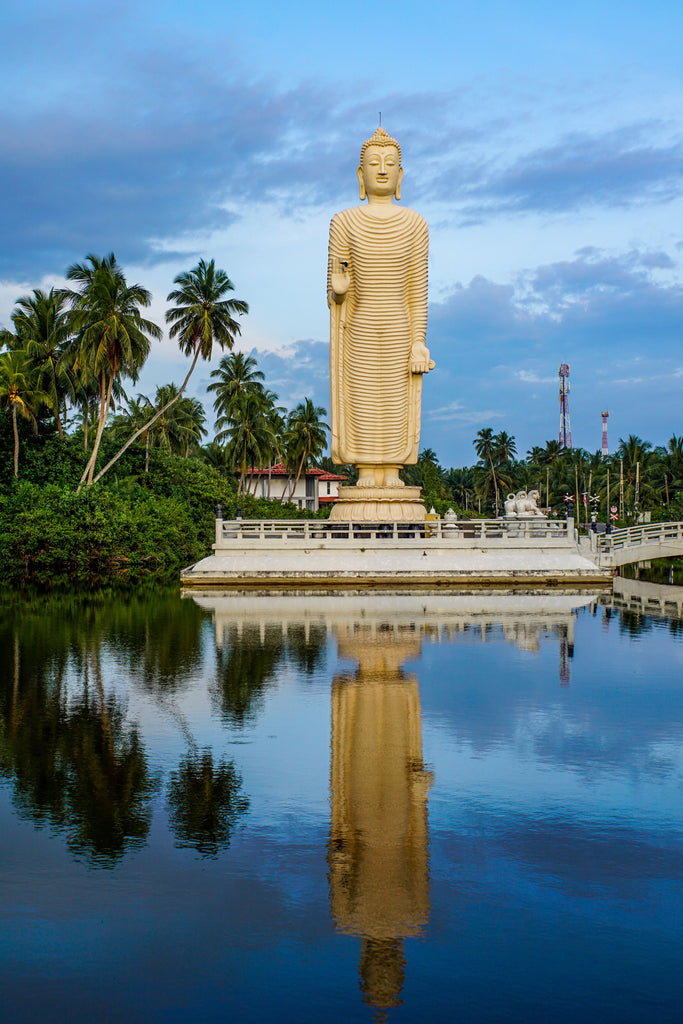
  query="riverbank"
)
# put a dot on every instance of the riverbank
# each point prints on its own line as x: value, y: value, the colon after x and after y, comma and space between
x: 144, y: 527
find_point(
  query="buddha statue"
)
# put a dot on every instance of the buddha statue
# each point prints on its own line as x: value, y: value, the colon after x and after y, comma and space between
x: 377, y: 294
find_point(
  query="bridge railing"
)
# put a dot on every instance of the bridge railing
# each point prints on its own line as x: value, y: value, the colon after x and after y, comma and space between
x: 608, y: 546
x: 632, y: 536
x: 475, y: 531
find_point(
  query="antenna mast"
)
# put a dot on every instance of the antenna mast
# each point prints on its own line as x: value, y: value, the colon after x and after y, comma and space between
x: 565, y: 427
x: 605, y: 445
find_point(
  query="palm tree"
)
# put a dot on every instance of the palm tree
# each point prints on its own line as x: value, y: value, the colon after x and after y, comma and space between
x: 671, y: 462
x: 236, y: 375
x: 112, y: 335
x: 637, y: 456
x: 201, y: 316
x: 486, y: 445
x: 42, y: 324
x: 306, y: 435
x: 137, y: 414
x: 505, y: 446
x: 19, y: 393
x: 248, y: 434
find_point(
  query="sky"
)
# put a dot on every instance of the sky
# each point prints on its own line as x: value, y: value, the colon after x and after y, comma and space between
x: 542, y: 142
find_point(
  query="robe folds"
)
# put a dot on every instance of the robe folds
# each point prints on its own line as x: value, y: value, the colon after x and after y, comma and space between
x: 375, y: 397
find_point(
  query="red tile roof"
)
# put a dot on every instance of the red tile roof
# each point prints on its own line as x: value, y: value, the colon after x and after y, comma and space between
x: 279, y: 469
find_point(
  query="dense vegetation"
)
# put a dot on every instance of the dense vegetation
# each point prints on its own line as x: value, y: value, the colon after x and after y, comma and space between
x: 98, y: 485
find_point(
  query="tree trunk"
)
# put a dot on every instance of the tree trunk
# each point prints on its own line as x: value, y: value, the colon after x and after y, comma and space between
x: 495, y: 484
x: 154, y: 418
x: 16, y: 439
x: 298, y: 475
x: 90, y: 468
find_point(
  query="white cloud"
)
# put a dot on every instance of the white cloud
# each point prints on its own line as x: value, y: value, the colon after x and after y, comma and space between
x: 531, y: 377
x: 457, y: 411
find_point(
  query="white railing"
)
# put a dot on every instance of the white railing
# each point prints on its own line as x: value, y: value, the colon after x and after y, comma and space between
x: 477, y: 531
x: 638, y: 536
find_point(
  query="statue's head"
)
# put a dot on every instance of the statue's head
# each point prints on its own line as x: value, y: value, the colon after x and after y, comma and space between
x: 380, y: 172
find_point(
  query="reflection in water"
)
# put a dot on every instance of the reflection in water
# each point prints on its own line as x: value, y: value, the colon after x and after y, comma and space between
x: 555, y: 846
x: 75, y: 762
x: 205, y: 802
x: 641, y: 603
x: 249, y: 654
x: 377, y: 852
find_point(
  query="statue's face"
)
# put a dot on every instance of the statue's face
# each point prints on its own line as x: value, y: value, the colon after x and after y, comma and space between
x: 381, y: 170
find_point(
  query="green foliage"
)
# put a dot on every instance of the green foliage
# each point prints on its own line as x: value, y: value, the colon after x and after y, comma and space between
x: 49, y: 535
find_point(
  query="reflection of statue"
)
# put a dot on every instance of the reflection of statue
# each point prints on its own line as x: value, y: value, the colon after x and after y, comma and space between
x: 522, y: 504
x: 378, y: 838
x: 377, y: 293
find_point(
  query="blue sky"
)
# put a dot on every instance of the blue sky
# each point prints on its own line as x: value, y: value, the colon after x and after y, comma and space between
x: 543, y: 143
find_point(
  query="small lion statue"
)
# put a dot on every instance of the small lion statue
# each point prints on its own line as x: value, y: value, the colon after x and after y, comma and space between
x: 522, y: 504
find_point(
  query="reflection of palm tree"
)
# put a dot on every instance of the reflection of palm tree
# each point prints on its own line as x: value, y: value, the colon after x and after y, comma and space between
x: 247, y: 663
x: 78, y: 766
x: 306, y: 645
x: 204, y: 802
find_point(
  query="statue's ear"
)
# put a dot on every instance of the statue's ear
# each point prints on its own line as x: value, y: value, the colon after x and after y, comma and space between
x: 397, y: 193
x: 361, y: 183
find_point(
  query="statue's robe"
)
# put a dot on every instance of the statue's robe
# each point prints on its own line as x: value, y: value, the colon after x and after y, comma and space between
x: 375, y: 397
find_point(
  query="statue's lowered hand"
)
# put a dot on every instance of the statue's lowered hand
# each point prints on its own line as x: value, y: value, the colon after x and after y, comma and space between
x: 419, y: 359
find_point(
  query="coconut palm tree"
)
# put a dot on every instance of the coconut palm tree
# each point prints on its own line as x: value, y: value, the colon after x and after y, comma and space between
x: 670, y: 461
x: 19, y: 393
x: 202, y: 316
x: 486, y: 447
x: 113, y: 337
x: 306, y: 435
x: 247, y: 433
x: 637, y: 457
x: 236, y: 375
x: 41, y: 323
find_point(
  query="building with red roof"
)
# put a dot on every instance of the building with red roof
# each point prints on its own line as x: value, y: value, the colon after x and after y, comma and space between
x: 314, y: 488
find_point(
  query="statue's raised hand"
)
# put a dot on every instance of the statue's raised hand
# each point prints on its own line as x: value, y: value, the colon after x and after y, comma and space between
x: 419, y: 359
x: 340, y: 281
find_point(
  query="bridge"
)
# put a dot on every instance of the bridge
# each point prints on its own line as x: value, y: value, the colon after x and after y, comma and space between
x: 634, y: 544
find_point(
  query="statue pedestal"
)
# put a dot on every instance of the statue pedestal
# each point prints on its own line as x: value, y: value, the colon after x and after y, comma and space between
x: 378, y: 505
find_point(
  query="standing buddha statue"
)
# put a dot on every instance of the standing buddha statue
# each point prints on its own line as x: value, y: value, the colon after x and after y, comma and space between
x: 377, y: 294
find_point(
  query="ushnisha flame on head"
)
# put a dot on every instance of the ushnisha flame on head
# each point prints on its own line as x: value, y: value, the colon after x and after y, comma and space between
x: 380, y: 138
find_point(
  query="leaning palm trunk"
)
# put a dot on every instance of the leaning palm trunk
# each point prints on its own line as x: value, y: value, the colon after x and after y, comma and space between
x: 286, y: 488
x: 15, y: 431
x: 301, y: 464
x: 155, y: 417
x: 104, y: 412
x: 258, y: 481
x: 495, y: 485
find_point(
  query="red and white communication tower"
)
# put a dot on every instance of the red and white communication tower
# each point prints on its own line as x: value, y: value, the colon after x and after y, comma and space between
x: 565, y: 427
x: 605, y: 445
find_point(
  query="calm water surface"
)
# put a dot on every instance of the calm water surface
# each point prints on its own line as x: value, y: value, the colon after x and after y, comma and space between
x: 229, y: 808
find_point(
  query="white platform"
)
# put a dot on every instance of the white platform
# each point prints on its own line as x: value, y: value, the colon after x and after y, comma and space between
x: 283, y: 554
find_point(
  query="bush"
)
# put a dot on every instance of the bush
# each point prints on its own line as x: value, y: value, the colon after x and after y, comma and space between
x: 49, y: 535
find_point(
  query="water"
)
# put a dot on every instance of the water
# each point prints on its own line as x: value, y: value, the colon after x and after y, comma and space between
x: 342, y: 808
